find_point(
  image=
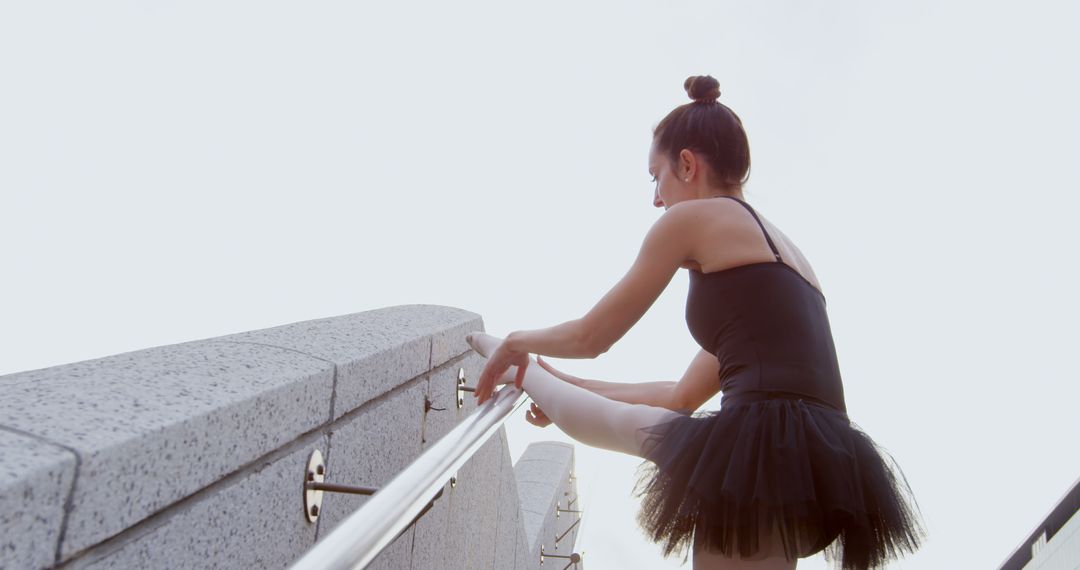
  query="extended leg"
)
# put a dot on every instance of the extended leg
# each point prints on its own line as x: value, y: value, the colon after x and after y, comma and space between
x: 585, y: 416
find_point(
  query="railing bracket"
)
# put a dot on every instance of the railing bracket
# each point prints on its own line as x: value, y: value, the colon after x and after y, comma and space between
x: 573, y: 557
x: 461, y: 387
x: 364, y: 533
x: 315, y: 486
x: 565, y: 532
x: 315, y: 473
x: 559, y: 510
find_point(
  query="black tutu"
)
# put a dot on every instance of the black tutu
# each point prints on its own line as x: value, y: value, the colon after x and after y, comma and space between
x: 799, y: 468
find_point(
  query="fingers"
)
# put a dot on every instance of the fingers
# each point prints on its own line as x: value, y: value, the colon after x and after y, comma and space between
x: 500, y: 360
x: 494, y: 374
x: 486, y: 384
x: 519, y: 379
x: 538, y: 420
x: 535, y: 416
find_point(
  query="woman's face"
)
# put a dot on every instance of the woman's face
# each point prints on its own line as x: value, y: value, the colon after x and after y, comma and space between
x: 670, y: 189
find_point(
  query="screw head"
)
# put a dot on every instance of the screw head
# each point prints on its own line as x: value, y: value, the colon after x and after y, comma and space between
x: 320, y: 470
x: 314, y: 510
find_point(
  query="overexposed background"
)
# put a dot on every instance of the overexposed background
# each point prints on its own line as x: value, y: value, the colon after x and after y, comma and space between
x: 181, y: 170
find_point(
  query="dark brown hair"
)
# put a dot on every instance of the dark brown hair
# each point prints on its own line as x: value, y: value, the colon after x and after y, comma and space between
x: 709, y: 128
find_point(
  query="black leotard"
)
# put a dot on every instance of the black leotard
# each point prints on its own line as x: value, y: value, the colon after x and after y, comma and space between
x: 768, y: 327
x: 780, y: 456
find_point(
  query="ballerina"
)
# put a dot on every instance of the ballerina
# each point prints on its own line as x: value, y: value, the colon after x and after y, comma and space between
x: 779, y: 472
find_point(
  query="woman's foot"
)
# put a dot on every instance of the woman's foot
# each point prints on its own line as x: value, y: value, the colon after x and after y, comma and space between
x: 483, y: 343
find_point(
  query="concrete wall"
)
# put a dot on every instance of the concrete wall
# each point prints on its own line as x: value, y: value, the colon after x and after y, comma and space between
x: 546, y: 486
x: 1061, y: 551
x: 193, y: 455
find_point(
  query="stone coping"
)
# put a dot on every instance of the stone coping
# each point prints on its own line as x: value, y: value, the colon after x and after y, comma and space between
x: 91, y: 448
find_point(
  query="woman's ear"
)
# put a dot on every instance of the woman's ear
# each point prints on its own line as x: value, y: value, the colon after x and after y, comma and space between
x: 687, y: 165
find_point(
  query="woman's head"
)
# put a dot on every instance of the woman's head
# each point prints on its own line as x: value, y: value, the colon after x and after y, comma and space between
x: 705, y: 133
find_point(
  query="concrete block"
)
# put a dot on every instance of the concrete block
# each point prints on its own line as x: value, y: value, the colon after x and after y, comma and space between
x: 537, y: 497
x: 525, y: 556
x: 542, y: 475
x: 397, y: 555
x: 255, y: 520
x: 549, y: 451
x: 476, y: 499
x: 369, y: 449
x: 446, y: 539
x: 375, y: 374
x: 153, y: 426
x: 542, y: 471
x: 460, y: 532
x: 508, y: 524
x: 547, y: 535
x: 441, y: 388
x: 450, y: 343
x: 35, y: 479
x: 431, y: 549
x: 532, y: 522
x: 374, y: 350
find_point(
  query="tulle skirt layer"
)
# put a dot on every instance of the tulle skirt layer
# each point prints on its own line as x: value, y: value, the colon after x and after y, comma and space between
x: 799, y: 471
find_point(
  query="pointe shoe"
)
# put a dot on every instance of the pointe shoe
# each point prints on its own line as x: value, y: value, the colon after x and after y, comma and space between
x: 483, y: 343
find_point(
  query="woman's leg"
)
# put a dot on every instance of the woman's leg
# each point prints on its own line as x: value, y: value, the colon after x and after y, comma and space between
x: 715, y: 561
x: 585, y: 416
x: 770, y: 556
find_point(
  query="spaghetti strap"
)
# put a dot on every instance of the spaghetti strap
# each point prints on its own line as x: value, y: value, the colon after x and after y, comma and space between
x: 772, y: 245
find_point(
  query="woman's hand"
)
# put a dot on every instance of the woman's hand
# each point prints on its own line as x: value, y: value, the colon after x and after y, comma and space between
x: 535, y: 416
x: 496, y: 371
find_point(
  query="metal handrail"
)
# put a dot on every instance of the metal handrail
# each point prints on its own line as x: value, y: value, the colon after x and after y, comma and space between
x: 364, y: 534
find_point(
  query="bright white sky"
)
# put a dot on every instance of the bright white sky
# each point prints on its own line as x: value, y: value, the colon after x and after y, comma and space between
x: 175, y: 171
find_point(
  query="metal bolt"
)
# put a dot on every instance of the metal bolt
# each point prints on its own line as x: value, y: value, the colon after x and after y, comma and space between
x: 310, y: 475
x: 320, y: 470
x: 314, y: 510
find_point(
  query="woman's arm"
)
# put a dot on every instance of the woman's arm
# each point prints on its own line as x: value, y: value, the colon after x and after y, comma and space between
x: 568, y: 340
x: 665, y: 248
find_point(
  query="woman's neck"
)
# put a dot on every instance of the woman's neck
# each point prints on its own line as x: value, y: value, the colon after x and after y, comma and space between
x: 718, y: 192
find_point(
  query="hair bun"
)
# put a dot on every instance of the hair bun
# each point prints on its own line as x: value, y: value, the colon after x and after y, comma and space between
x: 702, y: 88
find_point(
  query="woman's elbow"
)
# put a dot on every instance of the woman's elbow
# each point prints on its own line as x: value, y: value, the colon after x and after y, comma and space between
x: 682, y: 401
x: 583, y: 339
x: 598, y: 350
x: 593, y: 345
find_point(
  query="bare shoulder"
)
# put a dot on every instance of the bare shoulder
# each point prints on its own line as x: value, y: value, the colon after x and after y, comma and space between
x: 731, y: 237
x: 681, y: 224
